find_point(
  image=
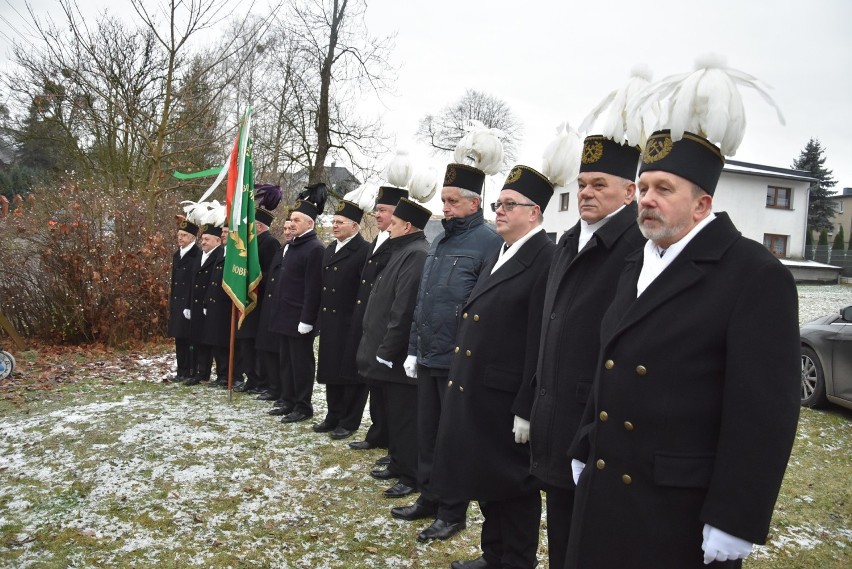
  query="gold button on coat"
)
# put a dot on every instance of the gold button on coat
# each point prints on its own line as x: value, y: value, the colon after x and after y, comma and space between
x: 457, y: 349
x: 628, y: 425
x: 626, y: 479
x: 467, y: 353
x: 604, y: 415
x: 600, y: 464
x: 357, y: 302
x: 464, y: 316
x: 476, y: 317
x: 641, y: 370
x: 461, y: 388
x: 609, y: 364
x: 450, y: 383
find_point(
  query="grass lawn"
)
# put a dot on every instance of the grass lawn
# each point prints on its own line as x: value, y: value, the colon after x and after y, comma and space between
x: 101, y: 465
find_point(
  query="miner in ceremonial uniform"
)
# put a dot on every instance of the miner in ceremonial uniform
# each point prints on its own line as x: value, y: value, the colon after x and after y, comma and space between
x: 489, y: 390
x: 580, y: 287
x: 298, y: 302
x: 455, y: 261
x: 183, y: 262
x: 384, y: 344
x: 388, y: 197
x: 249, y: 362
x: 212, y: 253
x: 344, y: 259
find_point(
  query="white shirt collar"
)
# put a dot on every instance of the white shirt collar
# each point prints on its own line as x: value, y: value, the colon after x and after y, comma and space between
x: 506, y: 254
x: 381, y: 238
x: 185, y: 250
x: 341, y: 244
x: 588, y: 229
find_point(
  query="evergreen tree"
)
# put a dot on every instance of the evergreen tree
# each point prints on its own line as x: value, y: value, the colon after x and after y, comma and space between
x: 809, y: 244
x: 821, y: 209
x: 822, y: 247
x: 839, y: 243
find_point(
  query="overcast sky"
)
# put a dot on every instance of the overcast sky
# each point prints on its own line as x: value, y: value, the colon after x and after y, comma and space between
x: 553, y: 60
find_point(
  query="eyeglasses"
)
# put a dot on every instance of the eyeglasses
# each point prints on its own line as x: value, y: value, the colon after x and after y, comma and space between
x: 509, y: 206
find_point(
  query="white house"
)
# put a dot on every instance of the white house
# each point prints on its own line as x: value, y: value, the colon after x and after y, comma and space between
x: 767, y: 204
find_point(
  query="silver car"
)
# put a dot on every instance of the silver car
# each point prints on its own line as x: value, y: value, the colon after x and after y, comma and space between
x: 827, y: 360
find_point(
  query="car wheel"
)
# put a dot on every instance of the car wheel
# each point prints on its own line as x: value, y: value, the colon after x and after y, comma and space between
x: 813, y: 380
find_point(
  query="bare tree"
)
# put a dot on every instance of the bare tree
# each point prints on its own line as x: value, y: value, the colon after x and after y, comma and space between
x: 444, y: 130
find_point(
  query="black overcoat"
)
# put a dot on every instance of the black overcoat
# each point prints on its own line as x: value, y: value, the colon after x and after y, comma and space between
x: 299, y: 287
x: 179, y: 291
x: 390, y: 311
x: 694, y: 406
x: 376, y: 262
x: 341, y: 277
x: 201, y: 276
x: 580, y: 287
x: 267, y: 340
x: 476, y: 456
x: 217, y: 303
x: 267, y: 246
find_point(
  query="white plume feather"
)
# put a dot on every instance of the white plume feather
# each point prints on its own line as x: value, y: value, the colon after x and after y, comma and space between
x: 562, y: 156
x: 195, y: 212
x: 215, y: 214
x: 399, y: 169
x: 706, y: 101
x: 423, y: 185
x: 481, y: 147
x: 619, y: 123
x: 364, y: 195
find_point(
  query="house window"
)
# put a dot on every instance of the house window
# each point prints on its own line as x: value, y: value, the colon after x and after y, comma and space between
x: 840, y: 206
x: 778, y: 197
x: 777, y: 244
x: 564, y: 201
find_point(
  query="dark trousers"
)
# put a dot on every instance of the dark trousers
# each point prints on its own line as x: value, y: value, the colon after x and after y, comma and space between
x: 220, y: 356
x: 377, y: 434
x: 184, y: 353
x: 510, y: 531
x: 203, y: 361
x: 297, y: 367
x: 560, y: 504
x: 269, y: 375
x: 247, y: 363
x: 431, y: 387
x: 401, y: 406
x: 345, y: 405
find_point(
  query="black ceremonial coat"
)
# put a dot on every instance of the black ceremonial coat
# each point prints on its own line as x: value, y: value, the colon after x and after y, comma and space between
x: 217, y: 323
x: 390, y: 311
x: 267, y: 340
x: 476, y: 456
x: 179, y: 291
x: 341, y: 277
x: 580, y: 288
x: 694, y: 407
x: 376, y: 262
x: 298, y: 292
x: 201, y: 276
x: 267, y: 246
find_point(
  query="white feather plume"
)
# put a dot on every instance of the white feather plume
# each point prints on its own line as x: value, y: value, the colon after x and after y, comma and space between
x: 561, y: 162
x: 399, y: 169
x: 619, y: 123
x: 706, y: 101
x: 215, y: 214
x: 423, y: 185
x: 195, y: 211
x: 364, y: 195
x: 481, y: 147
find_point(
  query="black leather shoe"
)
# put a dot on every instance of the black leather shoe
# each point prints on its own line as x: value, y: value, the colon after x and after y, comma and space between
x: 415, y: 511
x: 193, y: 381
x: 243, y: 387
x: 280, y: 411
x: 267, y: 397
x: 361, y: 445
x: 341, y: 433
x: 323, y: 427
x: 384, y: 461
x: 478, y: 563
x: 383, y: 474
x: 398, y: 490
x: 255, y: 390
x: 295, y: 417
x: 440, y: 530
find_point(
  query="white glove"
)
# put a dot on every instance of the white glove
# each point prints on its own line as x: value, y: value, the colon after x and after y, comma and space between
x: 305, y: 328
x: 384, y: 362
x: 205, y: 311
x: 410, y: 367
x: 721, y: 546
x: 576, y: 468
x: 187, y: 314
x: 521, y: 430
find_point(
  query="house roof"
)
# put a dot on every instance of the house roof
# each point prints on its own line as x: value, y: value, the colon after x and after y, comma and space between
x: 749, y: 169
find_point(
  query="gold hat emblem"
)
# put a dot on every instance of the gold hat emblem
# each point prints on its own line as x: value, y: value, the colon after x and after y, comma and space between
x: 657, y: 149
x: 592, y: 152
x: 298, y: 203
x: 513, y: 176
x: 341, y: 206
x: 204, y: 228
x: 182, y: 224
x: 450, y: 176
